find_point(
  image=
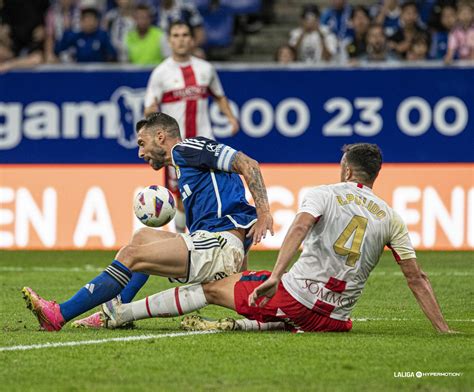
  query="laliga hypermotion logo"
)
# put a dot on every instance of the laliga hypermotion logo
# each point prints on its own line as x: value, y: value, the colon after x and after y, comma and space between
x: 130, y: 105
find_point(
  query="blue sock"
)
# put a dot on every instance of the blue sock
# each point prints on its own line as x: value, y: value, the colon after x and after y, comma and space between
x: 133, y: 287
x: 99, y: 290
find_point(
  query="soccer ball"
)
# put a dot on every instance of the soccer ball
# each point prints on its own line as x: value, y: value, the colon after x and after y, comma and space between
x: 154, y: 206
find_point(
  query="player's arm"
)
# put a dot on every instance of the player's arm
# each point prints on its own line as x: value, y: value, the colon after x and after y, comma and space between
x: 420, y: 285
x: 224, y: 107
x: 217, y: 92
x: 250, y: 170
x: 294, y: 238
x: 417, y: 280
x: 153, y: 94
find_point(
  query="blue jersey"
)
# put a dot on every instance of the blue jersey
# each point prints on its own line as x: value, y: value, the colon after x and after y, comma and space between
x: 213, y: 197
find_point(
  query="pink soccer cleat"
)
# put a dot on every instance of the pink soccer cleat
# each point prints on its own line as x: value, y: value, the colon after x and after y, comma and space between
x: 47, y: 312
x: 94, y: 321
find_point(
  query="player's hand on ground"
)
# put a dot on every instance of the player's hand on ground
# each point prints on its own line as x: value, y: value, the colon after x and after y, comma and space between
x: 450, y: 332
x: 259, y: 229
x: 267, y: 289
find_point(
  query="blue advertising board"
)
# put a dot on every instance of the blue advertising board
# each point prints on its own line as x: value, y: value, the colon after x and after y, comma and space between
x: 296, y: 115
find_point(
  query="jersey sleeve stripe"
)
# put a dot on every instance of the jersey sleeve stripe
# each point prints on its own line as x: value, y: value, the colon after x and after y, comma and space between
x: 230, y: 159
x: 223, y: 163
x: 222, y: 155
x: 192, y: 146
x: 194, y: 141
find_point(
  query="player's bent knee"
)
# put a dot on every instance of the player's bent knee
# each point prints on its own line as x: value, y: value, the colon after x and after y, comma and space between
x: 127, y: 256
x: 141, y: 236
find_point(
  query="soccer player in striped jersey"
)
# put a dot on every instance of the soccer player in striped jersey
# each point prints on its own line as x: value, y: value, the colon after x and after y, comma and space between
x: 222, y: 224
x: 345, y: 228
x: 180, y: 87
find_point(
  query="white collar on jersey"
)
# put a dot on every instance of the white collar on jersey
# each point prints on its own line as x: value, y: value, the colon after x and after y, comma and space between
x: 182, y: 63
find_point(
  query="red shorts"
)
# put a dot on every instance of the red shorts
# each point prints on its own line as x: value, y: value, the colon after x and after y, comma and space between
x: 171, y: 180
x: 282, y: 307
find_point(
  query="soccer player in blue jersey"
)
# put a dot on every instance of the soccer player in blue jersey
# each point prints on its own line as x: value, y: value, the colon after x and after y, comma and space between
x: 221, y: 223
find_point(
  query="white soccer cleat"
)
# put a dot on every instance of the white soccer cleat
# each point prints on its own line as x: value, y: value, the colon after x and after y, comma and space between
x: 197, y: 323
x: 112, y: 315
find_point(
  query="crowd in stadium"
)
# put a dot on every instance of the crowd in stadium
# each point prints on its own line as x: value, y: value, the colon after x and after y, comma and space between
x: 134, y: 31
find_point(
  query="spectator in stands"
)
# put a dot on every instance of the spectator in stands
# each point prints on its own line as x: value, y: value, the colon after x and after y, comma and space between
x: 184, y: 11
x: 377, y: 48
x: 146, y: 44
x: 62, y: 15
x: 356, y: 41
x: 25, y: 31
x: 439, y: 41
x: 387, y: 14
x: 401, y: 41
x: 419, y: 47
x: 434, y: 20
x: 312, y: 41
x: 285, y: 54
x: 461, y: 38
x: 90, y: 44
x: 337, y: 17
x: 118, y: 22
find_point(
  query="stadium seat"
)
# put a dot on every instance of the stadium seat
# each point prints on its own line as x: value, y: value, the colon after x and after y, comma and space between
x: 243, y: 6
x: 219, y: 25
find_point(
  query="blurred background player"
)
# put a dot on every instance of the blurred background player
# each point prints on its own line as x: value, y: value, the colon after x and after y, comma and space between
x: 345, y: 228
x: 180, y: 87
x: 222, y: 224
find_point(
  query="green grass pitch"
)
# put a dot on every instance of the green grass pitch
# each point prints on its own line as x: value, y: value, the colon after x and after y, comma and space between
x: 390, y: 335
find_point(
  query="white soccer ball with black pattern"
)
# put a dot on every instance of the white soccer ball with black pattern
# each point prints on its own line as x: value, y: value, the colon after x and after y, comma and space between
x: 154, y: 206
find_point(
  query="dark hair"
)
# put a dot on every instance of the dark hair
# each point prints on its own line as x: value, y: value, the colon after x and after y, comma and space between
x: 310, y: 9
x: 375, y: 25
x: 181, y: 23
x: 161, y: 121
x: 407, y: 4
x: 90, y: 11
x: 362, y: 9
x: 420, y: 37
x: 365, y: 159
x: 143, y: 7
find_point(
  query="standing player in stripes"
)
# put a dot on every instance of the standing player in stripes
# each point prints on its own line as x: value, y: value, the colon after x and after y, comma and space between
x: 222, y: 227
x: 180, y: 87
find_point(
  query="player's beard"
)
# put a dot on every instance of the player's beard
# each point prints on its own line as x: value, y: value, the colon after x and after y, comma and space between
x: 158, y: 157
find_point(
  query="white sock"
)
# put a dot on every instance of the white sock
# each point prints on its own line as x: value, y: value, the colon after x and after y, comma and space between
x: 180, y: 221
x: 253, y: 325
x: 169, y: 303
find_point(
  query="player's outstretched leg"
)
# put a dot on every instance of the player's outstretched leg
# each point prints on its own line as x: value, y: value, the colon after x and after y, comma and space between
x: 142, y: 236
x: 169, y: 303
x: 172, y: 302
x: 166, y: 258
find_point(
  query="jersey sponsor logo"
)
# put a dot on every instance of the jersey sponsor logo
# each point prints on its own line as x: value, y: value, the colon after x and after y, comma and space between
x: 214, y: 148
x: 113, y: 119
x: 328, y: 296
x: 184, y: 94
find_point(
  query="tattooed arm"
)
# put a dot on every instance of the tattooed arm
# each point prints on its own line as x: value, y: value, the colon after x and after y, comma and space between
x: 250, y: 170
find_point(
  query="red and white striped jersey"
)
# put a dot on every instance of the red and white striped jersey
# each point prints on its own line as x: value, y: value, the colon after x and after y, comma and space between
x: 182, y: 91
x: 343, y: 247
